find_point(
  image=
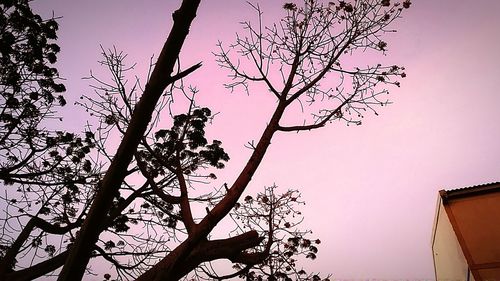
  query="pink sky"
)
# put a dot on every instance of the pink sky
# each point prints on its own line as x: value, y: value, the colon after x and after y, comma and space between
x: 371, y: 190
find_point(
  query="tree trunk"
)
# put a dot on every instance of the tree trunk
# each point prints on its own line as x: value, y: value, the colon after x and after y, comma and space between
x: 81, y: 250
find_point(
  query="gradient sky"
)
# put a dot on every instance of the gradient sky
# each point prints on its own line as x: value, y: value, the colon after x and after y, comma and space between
x: 371, y: 190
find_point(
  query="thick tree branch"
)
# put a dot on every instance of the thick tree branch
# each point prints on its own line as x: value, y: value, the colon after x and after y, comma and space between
x: 39, y: 269
x: 229, y: 248
x: 322, y: 123
x: 7, y: 261
x: 156, y: 189
x: 291, y: 75
x: 114, y: 213
x: 185, y: 73
x: 226, y: 248
x: 112, y: 260
x: 187, y: 216
x: 301, y: 127
x: 226, y: 204
x: 228, y: 276
x: 54, y: 229
x: 322, y: 74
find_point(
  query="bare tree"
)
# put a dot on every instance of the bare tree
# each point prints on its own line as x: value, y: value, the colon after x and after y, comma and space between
x: 291, y: 58
x: 139, y: 208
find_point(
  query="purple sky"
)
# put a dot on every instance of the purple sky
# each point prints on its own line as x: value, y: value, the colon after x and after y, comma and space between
x: 370, y: 190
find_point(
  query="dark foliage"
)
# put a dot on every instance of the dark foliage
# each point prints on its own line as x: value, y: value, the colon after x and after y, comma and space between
x: 43, y: 171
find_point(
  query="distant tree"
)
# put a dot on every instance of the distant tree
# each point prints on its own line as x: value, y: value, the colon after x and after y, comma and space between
x: 144, y: 208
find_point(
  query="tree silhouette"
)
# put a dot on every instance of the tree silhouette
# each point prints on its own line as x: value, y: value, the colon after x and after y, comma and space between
x: 44, y: 172
x: 72, y: 198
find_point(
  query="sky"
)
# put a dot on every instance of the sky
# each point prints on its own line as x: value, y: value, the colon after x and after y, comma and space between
x: 371, y: 190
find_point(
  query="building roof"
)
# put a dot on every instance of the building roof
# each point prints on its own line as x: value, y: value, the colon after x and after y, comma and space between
x: 469, y: 191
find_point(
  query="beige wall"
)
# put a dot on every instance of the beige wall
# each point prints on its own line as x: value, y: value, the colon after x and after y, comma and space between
x: 449, y: 261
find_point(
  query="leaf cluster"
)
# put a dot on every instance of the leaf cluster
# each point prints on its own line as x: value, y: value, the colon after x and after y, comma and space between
x: 186, y: 142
